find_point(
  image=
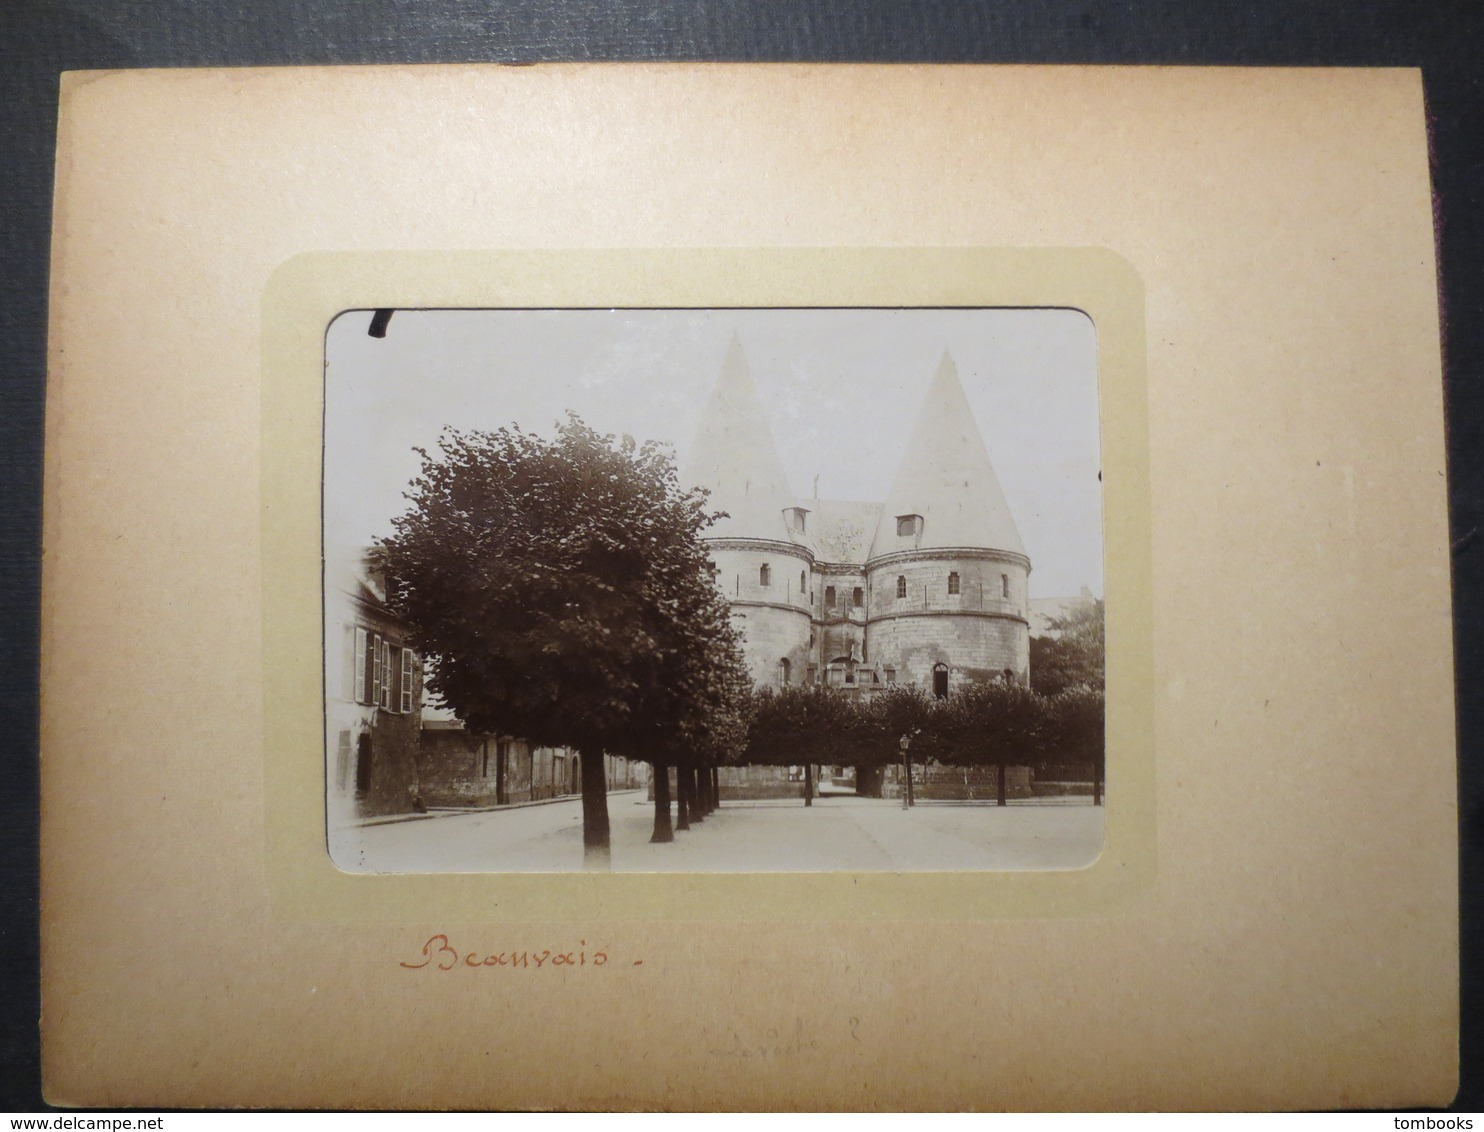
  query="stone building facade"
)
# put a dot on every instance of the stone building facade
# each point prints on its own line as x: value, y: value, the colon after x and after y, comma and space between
x: 928, y: 587
x: 393, y: 750
x: 373, y: 695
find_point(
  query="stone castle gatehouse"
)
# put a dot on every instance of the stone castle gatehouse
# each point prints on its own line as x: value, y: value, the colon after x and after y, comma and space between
x: 926, y: 588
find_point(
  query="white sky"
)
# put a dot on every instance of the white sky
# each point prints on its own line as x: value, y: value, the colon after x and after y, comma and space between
x: 841, y: 388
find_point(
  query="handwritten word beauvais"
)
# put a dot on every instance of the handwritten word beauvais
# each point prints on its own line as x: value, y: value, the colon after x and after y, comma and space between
x: 440, y: 955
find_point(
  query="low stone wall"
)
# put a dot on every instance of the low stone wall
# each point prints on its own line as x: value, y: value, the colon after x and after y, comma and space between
x: 954, y: 784
x: 1062, y: 789
x: 755, y: 790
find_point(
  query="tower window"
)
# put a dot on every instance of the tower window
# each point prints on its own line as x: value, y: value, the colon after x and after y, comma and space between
x: 801, y: 581
x: 783, y: 667
x: 940, y: 681
x: 1009, y: 676
x: 901, y: 585
x: 953, y: 582
x: 857, y: 597
x: 765, y: 575
x: 1004, y: 585
x: 829, y: 597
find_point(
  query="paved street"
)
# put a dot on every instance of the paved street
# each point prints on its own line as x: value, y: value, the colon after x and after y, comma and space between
x: 837, y: 832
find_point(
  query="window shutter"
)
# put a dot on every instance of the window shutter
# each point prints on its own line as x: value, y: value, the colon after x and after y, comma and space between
x: 386, y: 674
x: 360, y: 667
x: 409, y: 659
x: 378, y: 669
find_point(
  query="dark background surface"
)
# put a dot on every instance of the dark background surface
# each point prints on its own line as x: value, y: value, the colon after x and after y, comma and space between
x: 40, y: 40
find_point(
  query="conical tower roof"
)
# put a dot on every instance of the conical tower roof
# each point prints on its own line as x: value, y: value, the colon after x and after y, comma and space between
x: 735, y: 458
x: 946, y: 477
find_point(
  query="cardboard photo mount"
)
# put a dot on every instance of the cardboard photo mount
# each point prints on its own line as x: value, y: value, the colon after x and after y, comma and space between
x: 1273, y: 921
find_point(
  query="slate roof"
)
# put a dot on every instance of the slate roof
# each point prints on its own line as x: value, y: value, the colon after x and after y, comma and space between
x: 840, y: 530
x: 735, y: 457
x: 946, y: 477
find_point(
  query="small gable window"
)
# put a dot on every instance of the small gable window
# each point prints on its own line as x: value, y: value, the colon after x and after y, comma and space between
x: 901, y: 585
x: 765, y: 575
x: 798, y: 519
x: 953, y: 582
x: 908, y: 525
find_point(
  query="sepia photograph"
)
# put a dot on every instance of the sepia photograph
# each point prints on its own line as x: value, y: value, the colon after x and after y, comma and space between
x: 713, y: 590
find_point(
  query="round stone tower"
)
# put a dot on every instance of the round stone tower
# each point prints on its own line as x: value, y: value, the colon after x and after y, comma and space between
x: 947, y: 571
x: 756, y: 549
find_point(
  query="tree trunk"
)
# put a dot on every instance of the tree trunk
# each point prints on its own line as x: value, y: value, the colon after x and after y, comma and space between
x: 808, y: 784
x: 1097, y: 781
x: 500, y: 792
x: 911, y: 794
x: 697, y: 798
x: 1000, y: 787
x: 596, y: 848
x: 715, y: 788
x: 663, y: 830
x: 682, y: 799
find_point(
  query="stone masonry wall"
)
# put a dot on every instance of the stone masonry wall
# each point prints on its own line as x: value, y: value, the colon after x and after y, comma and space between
x: 973, y: 648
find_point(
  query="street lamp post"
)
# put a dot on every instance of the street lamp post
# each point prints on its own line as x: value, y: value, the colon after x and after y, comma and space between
x: 907, y: 799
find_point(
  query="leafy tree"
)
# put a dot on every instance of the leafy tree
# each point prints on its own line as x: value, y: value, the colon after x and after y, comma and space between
x: 899, y: 710
x: 560, y: 591
x: 994, y: 724
x: 1077, y: 731
x: 801, y: 725
x: 1074, y: 658
x: 705, y: 727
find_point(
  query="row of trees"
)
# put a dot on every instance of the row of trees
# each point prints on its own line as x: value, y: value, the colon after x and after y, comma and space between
x: 989, y: 724
x: 560, y: 590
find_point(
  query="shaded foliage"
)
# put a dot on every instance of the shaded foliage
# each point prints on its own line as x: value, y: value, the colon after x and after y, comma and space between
x: 1074, y: 658
x: 995, y: 724
x: 985, y: 724
x: 799, y: 724
x: 899, y: 710
x: 560, y: 591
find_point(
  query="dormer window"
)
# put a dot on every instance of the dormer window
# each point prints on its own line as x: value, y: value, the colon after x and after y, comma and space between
x: 797, y: 519
x: 765, y: 575
x: 908, y: 525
